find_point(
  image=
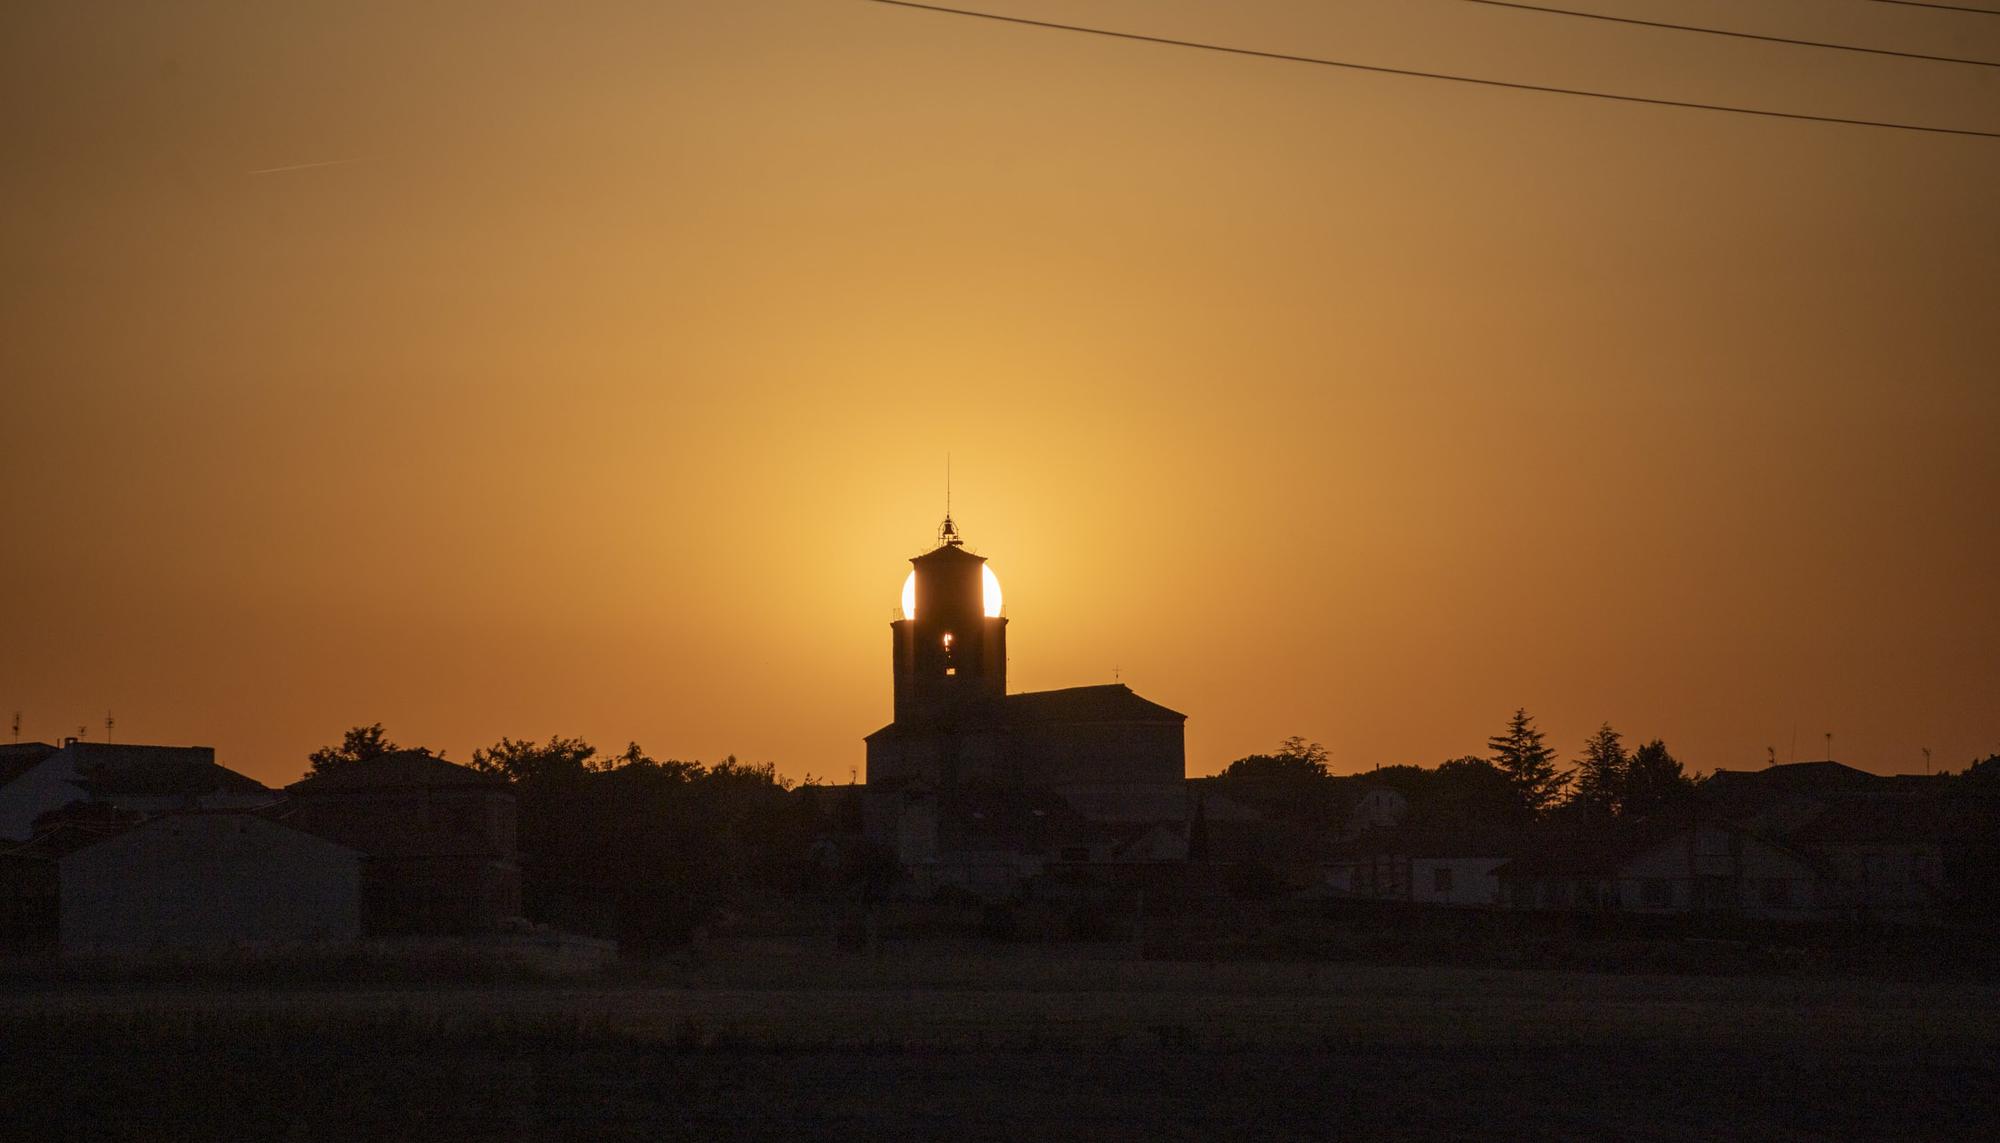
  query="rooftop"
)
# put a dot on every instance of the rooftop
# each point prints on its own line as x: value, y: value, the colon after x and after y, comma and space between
x: 1114, y: 702
x: 397, y: 769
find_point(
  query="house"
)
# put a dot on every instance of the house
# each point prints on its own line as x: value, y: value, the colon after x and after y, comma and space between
x: 208, y: 879
x: 1423, y: 866
x: 1379, y: 808
x: 438, y: 839
x: 1776, y: 800
x: 30, y: 888
x: 36, y: 778
x: 1665, y: 869
x: 1902, y: 848
x: 1888, y: 851
x: 28, y: 896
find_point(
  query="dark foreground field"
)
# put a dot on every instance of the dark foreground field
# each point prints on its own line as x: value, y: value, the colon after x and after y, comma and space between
x: 1022, y: 1048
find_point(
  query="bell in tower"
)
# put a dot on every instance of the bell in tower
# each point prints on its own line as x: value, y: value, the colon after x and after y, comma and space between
x: 951, y: 643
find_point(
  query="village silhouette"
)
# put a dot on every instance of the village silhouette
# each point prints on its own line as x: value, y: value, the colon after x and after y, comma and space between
x: 1005, y: 852
x: 1051, y: 815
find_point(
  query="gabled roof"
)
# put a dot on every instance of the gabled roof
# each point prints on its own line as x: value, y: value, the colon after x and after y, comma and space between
x: 400, y: 769
x: 204, y: 828
x: 1901, y: 819
x: 117, y: 770
x: 17, y: 758
x: 1112, y: 703
x: 1794, y: 778
x: 72, y: 827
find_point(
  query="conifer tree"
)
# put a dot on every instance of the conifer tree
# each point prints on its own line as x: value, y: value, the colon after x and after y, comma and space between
x: 1600, y: 774
x: 1529, y: 763
x: 1654, y: 781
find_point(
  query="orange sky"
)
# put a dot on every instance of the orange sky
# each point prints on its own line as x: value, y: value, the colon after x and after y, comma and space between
x: 603, y: 381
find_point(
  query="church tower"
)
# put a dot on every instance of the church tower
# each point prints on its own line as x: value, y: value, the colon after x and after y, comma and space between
x: 950, y: 646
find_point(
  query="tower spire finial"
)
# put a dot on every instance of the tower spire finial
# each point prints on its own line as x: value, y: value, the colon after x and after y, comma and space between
x: 948, y: 531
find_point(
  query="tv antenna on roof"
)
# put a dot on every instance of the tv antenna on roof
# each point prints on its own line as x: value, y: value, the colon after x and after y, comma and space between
x: 1927, y: 760
x: 109, y: 722
x: 17, y: 726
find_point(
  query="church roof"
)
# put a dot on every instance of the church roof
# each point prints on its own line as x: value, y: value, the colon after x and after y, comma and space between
x: 1111, y: 703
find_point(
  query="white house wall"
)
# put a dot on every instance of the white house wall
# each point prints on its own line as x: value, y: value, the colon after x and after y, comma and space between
x: 1758, y: 880
x: 209, y: 879
x: 1471, y: 880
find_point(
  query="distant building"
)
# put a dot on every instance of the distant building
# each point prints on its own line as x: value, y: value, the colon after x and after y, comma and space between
x: 1379, y: 809
x: 1885, y: 850
x: 205, y: 880
x: 1091, y: 770
x: 30, y: 886
x: 1776, y: 800
x: 438, y: 838
x: 1424, y: 867
x: 1902, y: 848
x: 36, y: 778
x: 1669, y: 868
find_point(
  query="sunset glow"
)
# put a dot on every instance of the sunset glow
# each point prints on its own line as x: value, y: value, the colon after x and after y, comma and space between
x: 1682, y: 421
x: 990, y: 594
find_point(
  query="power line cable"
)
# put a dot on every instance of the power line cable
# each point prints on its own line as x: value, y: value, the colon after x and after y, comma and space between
x: 1942, y: 7
x: 1448, y: 77
x: 1732, y: 34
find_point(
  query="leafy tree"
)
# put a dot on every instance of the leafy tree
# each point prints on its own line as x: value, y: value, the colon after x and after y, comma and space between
x: 359, y: 744
x: 674, y: 768
x: 1472, y: 796
x: 1986, y: 771
x: 645, y: 850
x: 523, y: 761
x: 1600, y: 774
x: 1296, y: 759
x: 1471, y: 779
x: 1530, y: 765
x: 1654, y: 781
x: 1293, y: 784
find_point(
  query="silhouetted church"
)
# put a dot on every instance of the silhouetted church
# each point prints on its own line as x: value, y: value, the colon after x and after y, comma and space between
x: 984, y: 786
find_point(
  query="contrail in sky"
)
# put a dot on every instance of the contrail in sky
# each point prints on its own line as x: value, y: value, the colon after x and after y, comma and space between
x: 310, y: 166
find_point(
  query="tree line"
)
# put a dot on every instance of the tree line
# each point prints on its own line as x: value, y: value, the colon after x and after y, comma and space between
x: 628, y: 846
x: 1520, y: 781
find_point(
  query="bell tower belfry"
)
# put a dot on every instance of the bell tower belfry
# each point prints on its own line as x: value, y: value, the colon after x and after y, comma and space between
x: 950, y: 646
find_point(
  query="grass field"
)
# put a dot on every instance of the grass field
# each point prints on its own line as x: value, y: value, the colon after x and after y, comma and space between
x: 1035, y: 1045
